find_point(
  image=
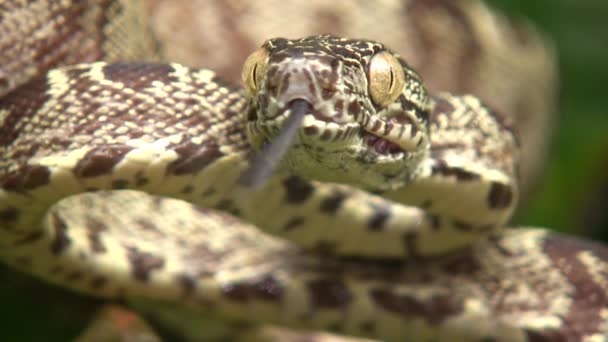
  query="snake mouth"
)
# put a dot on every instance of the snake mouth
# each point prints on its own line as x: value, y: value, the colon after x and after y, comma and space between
x: 380, y: 145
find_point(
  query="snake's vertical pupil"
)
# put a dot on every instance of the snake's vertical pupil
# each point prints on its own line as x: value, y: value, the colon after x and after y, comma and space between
x: 254, y: 80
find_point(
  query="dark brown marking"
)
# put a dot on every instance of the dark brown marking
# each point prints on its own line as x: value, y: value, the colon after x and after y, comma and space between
x: 368, y: 327
x: 442, y: 106
x: 143, y: 263
x: 331, y: 204
x: 354, y: 108
x: 119, y: 184
x: 379, y: 218
x: 23, y: 104
x: 410, y: 246
x: 148, y: 225
x: 311, y: 130
x: 101, y: 160
x: 29, y: 238
x: 500, y: 196
x: 589, y: 298
x: 264, y: 288
x: 9, y: 214
x: 329, y: 293
x: 442, y: 168
x: 26, y: 178
x: 74, y: 276
x: 188, y: 189
x: 462, y: 263
x: 60, y: 239
x: 186, y: 283
x: 138, y: 75
x: 95, y: 229
x: 435, y: 221
x: 326, y: 135
x: 293, y: 223
x: 193, y: 158
x: 325, y: 248
x: 297, y: 190
x: 435, y: 310
x: 98, y: 282
x: 140, y: 179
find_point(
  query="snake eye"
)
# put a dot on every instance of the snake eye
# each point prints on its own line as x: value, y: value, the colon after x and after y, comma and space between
x: 253, y: 69
x: 386, y: 78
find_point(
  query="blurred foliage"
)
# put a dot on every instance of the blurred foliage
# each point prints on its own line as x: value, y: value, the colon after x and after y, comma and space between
x: 572, y: 197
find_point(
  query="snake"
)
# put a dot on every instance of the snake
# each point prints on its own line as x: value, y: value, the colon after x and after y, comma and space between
x: 335, y: 190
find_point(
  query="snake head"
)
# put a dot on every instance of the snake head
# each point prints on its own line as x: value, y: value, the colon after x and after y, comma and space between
x: 365, y: 112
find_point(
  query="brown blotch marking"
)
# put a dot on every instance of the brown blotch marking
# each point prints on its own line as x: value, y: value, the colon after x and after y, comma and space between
x: 325, y: 248
x: 327, y: 293
x: 268, y: 288
x: 143, y: 263
x: 28, y: 98
x: 147, y: 225
x: 140, y: 179
x: 326, y: 135
x: 26, y: 178
x: 138, y: 75
x: 435, y: 309
x: 464, y: 226
x: 95, y: 228
x: 500, y: 196
x: 98, y: 282
x: 410, y: 245
x: 193, y: 158
x: 589, y: 298
x: 60, y: 239
x: 101, y: 160
x: 442, y: 168
x: 74, y: 276
x: 119, y: 184
x: 331, y: 204
x: 379, y: 218
x: 188, y: 189
x: 29, y: 238
x: 186, y: 283
x: 293, y: 223
x: 56, y: 270
x: 263, y: 288
x: 354, y: 108
x: 367, y: 327
x: 435, y: 221
x: 463, y: 263
x: 376, y: 126
x: 327, y: 93
x: 442, y: 106
x: 9, y: 214
x: 311, y: 130
x: 297, y: 190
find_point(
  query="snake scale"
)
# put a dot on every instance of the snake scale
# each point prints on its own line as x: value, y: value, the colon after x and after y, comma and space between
x: 123, y: 178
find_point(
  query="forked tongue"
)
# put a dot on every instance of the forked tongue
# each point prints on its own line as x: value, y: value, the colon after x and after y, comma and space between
x: 263, y: 164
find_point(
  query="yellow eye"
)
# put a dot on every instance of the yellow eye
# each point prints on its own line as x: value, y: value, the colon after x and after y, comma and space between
x: 386, y: 78
x: 253, y: 69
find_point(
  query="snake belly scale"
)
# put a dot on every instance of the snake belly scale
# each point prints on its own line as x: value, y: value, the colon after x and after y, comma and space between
x: 384, y: 218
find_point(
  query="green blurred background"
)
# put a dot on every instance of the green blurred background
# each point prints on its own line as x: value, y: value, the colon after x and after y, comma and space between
x: 572, y: 197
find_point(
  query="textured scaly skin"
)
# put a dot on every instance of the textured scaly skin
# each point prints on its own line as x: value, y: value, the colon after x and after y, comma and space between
x: 518, y: 285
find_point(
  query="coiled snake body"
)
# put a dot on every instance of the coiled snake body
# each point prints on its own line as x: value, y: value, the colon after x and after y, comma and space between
x: 386, y: 211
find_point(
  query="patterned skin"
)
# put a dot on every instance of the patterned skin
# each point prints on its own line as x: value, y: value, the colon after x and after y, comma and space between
x: 422, y: 258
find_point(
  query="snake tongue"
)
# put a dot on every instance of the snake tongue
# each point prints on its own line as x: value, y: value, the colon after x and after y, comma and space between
x: 267, y: 158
